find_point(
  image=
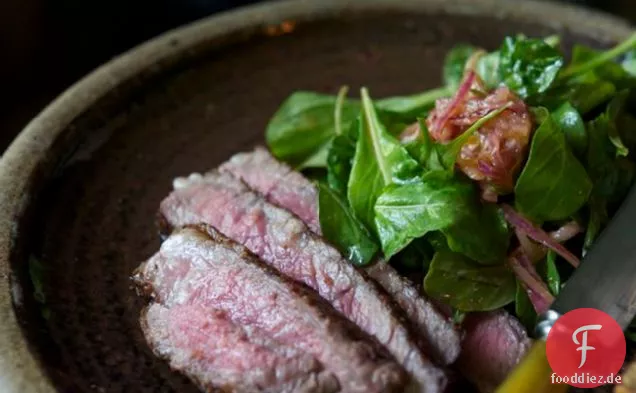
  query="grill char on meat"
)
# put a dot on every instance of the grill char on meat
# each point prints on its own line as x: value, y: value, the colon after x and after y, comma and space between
x: 229, y: 321
x: 282, y: 240
x: 289, y: 189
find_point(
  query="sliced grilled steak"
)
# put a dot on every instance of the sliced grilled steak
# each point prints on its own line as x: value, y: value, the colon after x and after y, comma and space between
x: 198, y: 269
x: 495, y: 342
x: 279, y: 184
x: 290, y: 190
x: 442, y: 338
x: 213, y: 351
x: 283, y: 241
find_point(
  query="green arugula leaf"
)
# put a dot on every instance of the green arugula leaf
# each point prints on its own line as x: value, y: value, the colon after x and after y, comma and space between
x: 468, y: 286
x: 300, y: 132
x: 342, y: 149
x: 423, y: 149
x: 421, y: 146
x: 587, y: 96
x: 443, y: 202
x: 409, y: 107
x: 611, y: 173
x: 339, y: 162
x: 609, y: 70
x: 395, y: 125
x: 585, y: 60
x: 598, y: 217
x: 524, y: 308
x: 584, y: 96
x: 528, y: 66
x: 342, y: 229
x: 454, y: 63
x: 379, y: 160
x: 553, y: 184
x: 482, y: 233
x: 488, y: 69
x: 487, y: 66
x: 317, y: 160
x: 613, y: 112
x: 550, y: 273
x: 572, y: 125
x: 409, y: 211
x: 302, y: 128
x: 338, y: 107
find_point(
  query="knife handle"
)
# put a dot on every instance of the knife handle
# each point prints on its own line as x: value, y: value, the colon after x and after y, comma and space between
x: 532, y: 375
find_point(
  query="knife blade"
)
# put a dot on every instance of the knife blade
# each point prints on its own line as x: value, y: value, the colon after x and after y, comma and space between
x: 605, y: 280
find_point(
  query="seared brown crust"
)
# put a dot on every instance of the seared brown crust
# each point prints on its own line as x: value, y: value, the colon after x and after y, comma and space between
x: 163, y: 226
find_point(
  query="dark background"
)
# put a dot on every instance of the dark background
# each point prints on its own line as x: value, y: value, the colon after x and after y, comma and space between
x: 46, y: 45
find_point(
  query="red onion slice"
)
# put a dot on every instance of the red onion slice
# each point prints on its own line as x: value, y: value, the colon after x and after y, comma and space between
x: 461, y: 94
x: 533, y: 250
x: 537, y: 290
x: 537, y: 234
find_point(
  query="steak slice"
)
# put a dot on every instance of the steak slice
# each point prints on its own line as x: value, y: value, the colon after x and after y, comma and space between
x: 289, y: 189
x: 284, y: 242
x: 198, y: 269
x: 443, y: 340
x: 278, y: 183
x: 216, y: 353
x: 495, y: 342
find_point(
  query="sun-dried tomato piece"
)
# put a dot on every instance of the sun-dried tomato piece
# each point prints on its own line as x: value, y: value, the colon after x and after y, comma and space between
x: 494, y: 154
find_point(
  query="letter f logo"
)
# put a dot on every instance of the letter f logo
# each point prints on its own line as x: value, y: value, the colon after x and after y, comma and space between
x: 583, y: 344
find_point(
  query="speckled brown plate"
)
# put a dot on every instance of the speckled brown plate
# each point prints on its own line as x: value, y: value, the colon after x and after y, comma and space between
x: 81, y: 184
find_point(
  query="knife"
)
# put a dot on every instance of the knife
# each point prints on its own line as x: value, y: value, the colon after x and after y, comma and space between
x: 605, y: 280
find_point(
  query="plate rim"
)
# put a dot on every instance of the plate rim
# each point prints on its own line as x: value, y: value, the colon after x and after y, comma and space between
x: 20, y: 369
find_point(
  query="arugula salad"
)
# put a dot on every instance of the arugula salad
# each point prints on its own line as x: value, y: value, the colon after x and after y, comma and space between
x: 492, y: 187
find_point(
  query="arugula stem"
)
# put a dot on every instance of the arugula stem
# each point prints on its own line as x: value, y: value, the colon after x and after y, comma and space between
x: 423, y: 99
x: 604, y: 57
x: 479, y: 123
x: 337, y: 115
x: 455, y: 146
x: 368, y: 113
